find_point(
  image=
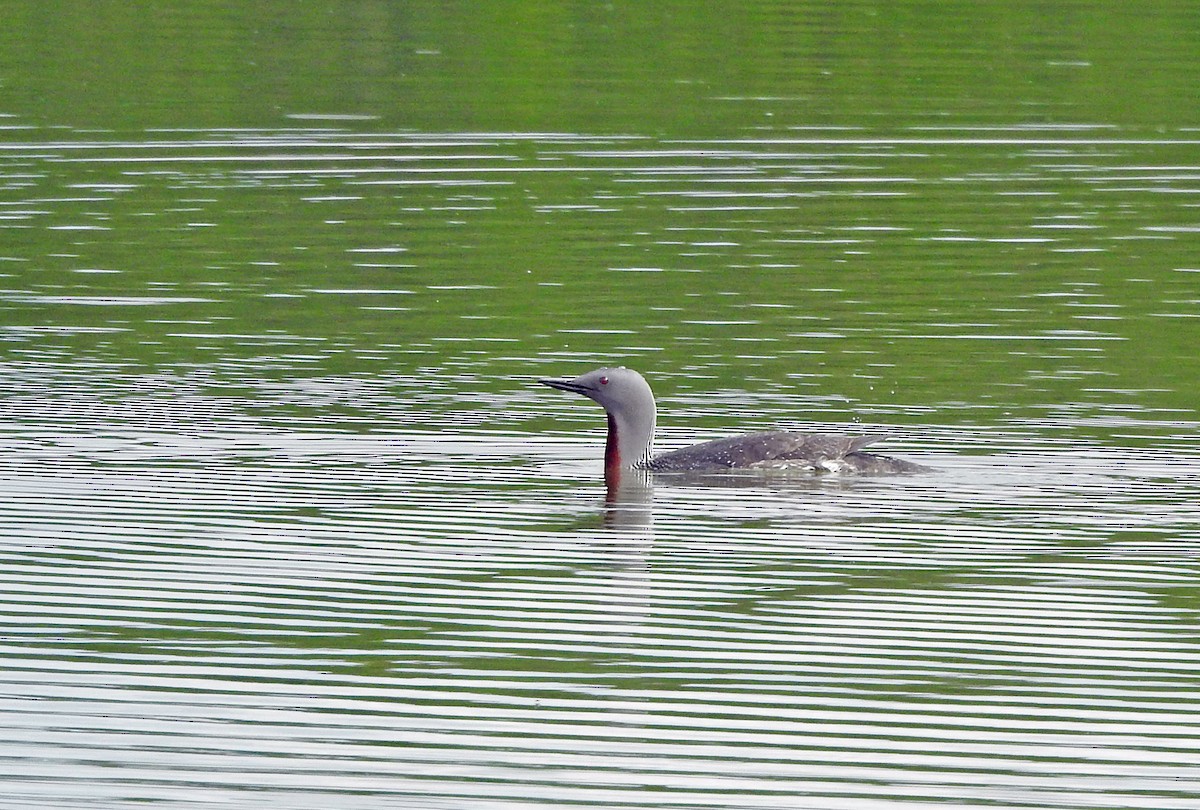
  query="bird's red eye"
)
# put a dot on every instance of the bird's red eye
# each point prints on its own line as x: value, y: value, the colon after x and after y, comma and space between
x: 604, y: 380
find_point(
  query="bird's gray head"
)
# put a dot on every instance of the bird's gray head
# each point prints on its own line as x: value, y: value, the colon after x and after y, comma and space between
x: 620, y: 390
x: 627, y: 398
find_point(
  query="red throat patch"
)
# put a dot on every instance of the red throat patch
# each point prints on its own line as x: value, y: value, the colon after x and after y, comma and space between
x: 612, y: 455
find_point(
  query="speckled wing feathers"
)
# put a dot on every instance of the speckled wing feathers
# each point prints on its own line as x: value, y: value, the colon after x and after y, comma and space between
x: 763, y: 449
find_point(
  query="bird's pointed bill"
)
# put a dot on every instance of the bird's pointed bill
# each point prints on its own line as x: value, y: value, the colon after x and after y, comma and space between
x: 566, y: 385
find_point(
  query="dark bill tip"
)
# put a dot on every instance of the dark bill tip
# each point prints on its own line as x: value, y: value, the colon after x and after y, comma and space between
x: 564, y: 385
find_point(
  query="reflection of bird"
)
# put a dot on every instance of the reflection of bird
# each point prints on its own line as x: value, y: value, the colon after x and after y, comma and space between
x: 629, y: 402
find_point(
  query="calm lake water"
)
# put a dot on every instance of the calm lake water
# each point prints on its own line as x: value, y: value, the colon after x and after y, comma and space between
x: 287, y: 522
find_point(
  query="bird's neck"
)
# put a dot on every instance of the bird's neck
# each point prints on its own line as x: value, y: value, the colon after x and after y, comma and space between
x: 612, y: 453
x: 628, y: 443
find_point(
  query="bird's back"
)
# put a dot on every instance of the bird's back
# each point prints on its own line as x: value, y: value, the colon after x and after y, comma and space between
x: 779, y: 449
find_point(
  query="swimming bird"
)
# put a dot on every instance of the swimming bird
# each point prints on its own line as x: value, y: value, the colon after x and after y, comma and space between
x: 627, y: 399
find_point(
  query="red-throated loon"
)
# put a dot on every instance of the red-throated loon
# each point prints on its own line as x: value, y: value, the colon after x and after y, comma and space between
x: 626, y: 397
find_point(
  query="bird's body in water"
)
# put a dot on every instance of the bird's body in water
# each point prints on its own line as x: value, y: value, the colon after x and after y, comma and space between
x: 629, y: 403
